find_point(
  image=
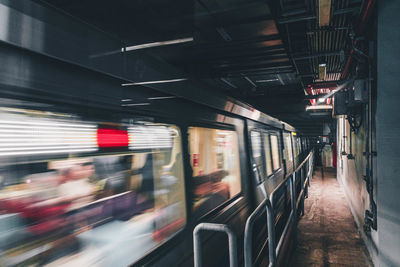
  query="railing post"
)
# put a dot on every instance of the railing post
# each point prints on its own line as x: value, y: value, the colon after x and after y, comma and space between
x: 271, y: 233
x: 310, y: 171
x: 294, y: 202
x: 248, y: 234
x: 216, y: 228
x: 302, y: 188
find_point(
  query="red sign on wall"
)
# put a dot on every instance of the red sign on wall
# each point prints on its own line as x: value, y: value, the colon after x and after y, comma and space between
x: 195, y: 160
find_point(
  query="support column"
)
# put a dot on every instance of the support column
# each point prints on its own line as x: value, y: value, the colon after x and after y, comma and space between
x: 388, y: 132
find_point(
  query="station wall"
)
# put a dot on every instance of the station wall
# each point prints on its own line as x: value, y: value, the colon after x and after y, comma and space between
x: 384, y: 242
x: 351, y: 169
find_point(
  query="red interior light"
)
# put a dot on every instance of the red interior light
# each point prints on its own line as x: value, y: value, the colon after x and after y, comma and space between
x: 112, y: 137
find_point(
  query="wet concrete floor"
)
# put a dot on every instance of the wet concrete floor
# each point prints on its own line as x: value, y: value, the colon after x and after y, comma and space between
x: 327, y: 234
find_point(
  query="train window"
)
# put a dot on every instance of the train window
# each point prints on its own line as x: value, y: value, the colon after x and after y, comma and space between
x: 267, y: 149
x: 256, y: 146
x: 216, y: 169
x: 288, y: 151
x: 298, y: 145
x: 276, y: 163
x: 90, y: 210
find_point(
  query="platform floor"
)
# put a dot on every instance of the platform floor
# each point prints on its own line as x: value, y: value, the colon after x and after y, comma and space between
x: 327, y: 234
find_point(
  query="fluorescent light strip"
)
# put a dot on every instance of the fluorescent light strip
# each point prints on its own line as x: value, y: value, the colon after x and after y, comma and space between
x: 269, y: 80
x: 47, y: 139
x: 31, y: 143
x: 50, y: 132
x: 154, y: 82
x: 135, y: 104
x: 27, y: 153
x: 318, y: 107
x: 44, y: 123
x: 47, y: 128
x: 157, y: 44
x: 49, y: 148
x: 24, y: 136
x: 161, y: 97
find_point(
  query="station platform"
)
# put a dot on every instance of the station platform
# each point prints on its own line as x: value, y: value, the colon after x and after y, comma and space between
x: 327, y: 234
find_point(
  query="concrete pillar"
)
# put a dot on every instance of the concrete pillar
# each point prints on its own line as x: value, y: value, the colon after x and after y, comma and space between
x: 388, y: 132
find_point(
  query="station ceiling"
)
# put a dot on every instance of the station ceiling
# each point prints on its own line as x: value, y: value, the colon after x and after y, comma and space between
x: 265, y: 53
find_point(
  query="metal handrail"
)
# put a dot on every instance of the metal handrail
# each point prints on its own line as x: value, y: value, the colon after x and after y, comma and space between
x: 288, y: 177
x: 304, y: 161
x: 269, y: 205
x: 216, y: 228
x: 292, y: 214
x: 248, y: 233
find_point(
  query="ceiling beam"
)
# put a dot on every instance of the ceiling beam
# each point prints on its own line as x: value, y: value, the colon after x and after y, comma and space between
x: 268, y: 66
x: 225, y: 45
x: 236, y: 52
x: 230, y: 23
x: 295, y: 19
x: 323, y: 54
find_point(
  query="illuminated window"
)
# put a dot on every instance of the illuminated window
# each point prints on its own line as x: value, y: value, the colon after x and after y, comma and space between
x: 276, y: 163
x: 298, y: 145
x: 267, y: 149
x: 214, y: 157
x: 288, y: 151
x: 256, y: 146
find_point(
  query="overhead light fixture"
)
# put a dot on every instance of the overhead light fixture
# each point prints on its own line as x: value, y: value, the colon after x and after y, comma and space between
x: 319, y: 113
x: 322, y: 71
x: 157, y: 44
x: 135, y: 104
x: 317, y: 107
x: 160, y: 97
x: 268, y: 80
x: 154, y: 82
x: 249, y: 80
x: 324, y: 12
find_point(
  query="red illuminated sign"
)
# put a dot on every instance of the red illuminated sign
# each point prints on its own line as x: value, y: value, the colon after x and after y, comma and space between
x: 195, y: 160
x: 112, y: 137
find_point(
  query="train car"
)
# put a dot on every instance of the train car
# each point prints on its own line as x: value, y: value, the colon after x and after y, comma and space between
x: 93, y: 178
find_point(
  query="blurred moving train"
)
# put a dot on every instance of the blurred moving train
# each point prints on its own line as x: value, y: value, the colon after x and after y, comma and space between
x: 79, y: 191
x: 95, y: 174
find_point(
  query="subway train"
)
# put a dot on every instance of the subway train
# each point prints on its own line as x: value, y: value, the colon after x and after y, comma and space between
x: 119, y: 176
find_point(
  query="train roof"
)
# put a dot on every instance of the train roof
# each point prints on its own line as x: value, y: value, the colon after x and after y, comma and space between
x: 200, y: 94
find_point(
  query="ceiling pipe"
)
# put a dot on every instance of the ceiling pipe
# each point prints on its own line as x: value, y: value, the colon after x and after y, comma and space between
x: 345, y: 10
x: 308, y: 97
x: 325, y: 54
x: 296, y: 19
x: 360, y: 30
x: 323, y: 85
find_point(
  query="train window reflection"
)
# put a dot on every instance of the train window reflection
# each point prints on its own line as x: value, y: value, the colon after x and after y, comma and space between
x: 267, y: 148
x: 298, y: 146
x: 256, y: 146
x: 216, y: 170
x: 98, y: 210
x: 276, y: 163
x: 288, y: 151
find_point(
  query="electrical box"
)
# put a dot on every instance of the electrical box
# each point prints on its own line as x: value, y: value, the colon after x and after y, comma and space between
x: 340, y: 103
x: 358, y: 94
x: 360, y: 91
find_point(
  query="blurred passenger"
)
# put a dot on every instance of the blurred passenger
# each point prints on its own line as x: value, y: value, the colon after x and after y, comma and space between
x: 76, y: 187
